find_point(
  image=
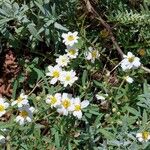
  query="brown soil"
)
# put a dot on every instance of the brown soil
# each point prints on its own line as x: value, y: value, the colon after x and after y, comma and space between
x: 8, y: 71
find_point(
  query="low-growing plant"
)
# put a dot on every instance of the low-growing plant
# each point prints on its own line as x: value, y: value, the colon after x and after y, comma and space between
x: 74, y: 75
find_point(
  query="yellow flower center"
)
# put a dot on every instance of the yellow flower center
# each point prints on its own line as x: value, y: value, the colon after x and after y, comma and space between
x: 70, y: 38
x: 66, y: 103
x: 104, y: 33
x: 19, y: 99
x: 23, y: 114
x: 55, y: 74
x: 68, y: 78
x: 145, y: 135
x: 53, y: 100
x: 142, y: 52
x: 2, y: 108
x: 94, y: 54
x: 131, y: 59
x: 77, y: 107
x: 72, y: 51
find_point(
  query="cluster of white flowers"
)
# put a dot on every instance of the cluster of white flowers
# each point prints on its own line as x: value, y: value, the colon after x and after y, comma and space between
x: 65, y: 77
x: 56, y: 72
x: 66, y: 104
x: 92, y: 54
x: 25, y: 111
x: 69, y: 39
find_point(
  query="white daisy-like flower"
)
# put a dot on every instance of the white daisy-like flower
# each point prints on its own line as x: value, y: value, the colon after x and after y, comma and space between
x: 66, y: 104
x: 54, y: 101
x: 21, y: 100
x: 130, y: 62
x: 72, y: 52
x: 62, y: 60
x: 78, y: 106
x: 2, y: 139
x: 54, y: 72
x: 68, y: 78
x: 25, y: 114
x: 129, y: 79
x: 3, y: 106
x: 70, y: 38
x: 92, y: 54
x: 143, y: 136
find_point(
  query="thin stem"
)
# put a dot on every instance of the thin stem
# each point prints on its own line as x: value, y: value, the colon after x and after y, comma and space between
x: 37, y: 84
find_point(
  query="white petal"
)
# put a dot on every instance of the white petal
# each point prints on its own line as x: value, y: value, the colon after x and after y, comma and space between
x: 13, y: 103
x: 6, y: 104
x: 48, y: 74
x: 21, y: 122
x: 129, y: 54
x: 2, y: 100
x: 84, y: 104
x: 50, y: 68
x: 71, y: 108
x: 53, y: 81
x: 18, y: 118
x: 78, y: 114
x: 100, y: 97
x: 24, y: 102
x: 75, y: 33
x: 148, y: 137
x: 76, y: 100
x: 28, y: 119
x: 64, y: 35
x: 19, y: 104
x: 141, y: 139
x: 32, y: 109
x: 139, y: 135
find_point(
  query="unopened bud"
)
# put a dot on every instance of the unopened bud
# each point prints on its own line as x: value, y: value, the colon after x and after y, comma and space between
x: 114, y: 110
x: 38, y: 98
x: 118, y: 113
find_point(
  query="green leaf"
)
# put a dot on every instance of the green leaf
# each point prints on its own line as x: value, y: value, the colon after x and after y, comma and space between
x: 133, y: 111
x: 144, y: 119
x: 60, y: 27
x: 15, y: 89
x: 34, y: 32
x: 57, y: 140
x: 41, y: 75
x: 107, y: 134
x: 40, y: 7
x: 84, y: 77
x: 5, y: 20
x: 98, y: 84
x: 2, y: 12
x: 146, y: 88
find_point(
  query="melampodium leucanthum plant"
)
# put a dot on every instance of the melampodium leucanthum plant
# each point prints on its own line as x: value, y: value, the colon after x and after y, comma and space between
x: 65, y: 103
